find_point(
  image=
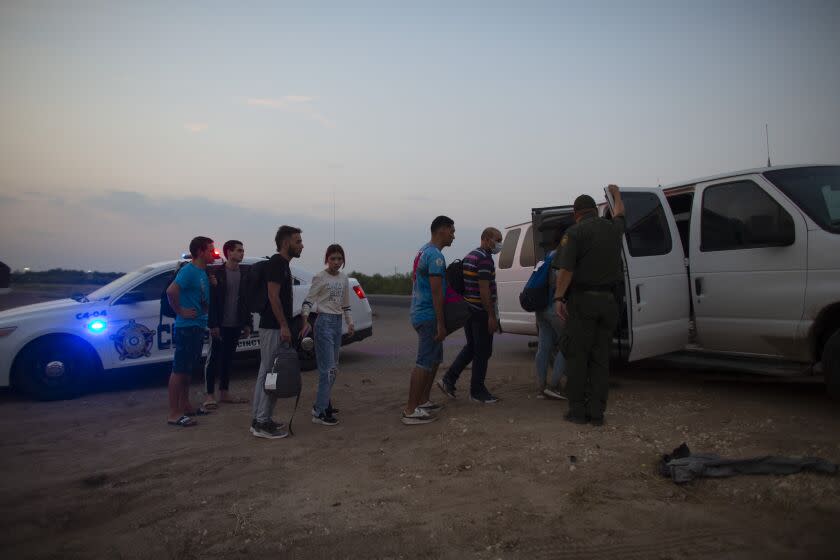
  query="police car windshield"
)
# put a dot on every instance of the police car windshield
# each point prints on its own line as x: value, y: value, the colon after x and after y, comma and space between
x: 105, y: 291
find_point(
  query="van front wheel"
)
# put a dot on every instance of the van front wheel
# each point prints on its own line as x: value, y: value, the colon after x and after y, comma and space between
x: 831, y: 364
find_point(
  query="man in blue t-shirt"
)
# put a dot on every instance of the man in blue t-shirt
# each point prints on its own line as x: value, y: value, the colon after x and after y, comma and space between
x: 427, y: 299
x: 189, y: 296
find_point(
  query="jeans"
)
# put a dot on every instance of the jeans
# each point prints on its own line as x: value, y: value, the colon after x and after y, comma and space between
x: 478, y: 350
x: 550, y: 329
x: 221, y: 354
x: 429, y: 350
x: 327, y: 346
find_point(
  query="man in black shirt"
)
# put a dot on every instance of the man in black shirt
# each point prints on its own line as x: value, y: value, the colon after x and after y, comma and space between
x: 275, y: 326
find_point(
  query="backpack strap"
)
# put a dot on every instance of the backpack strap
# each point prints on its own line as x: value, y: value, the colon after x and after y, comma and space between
x: 416, y: 263
x: 292, y: 417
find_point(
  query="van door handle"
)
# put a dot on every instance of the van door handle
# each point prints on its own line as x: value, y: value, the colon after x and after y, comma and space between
x: 639, y: 294
x: 698, y: 286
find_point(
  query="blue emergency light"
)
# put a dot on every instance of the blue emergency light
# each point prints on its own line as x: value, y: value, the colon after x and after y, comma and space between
x: 97, y: 326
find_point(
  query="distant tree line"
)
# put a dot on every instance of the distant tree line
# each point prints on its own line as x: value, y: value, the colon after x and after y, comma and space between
x: 62, y: 276
x: 396, y: 284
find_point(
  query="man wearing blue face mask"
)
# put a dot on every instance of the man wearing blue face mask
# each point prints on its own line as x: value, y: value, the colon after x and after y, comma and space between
x: 480, y: 295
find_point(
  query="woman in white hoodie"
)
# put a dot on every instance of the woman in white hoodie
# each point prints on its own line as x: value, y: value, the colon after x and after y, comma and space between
x: 330, y: 293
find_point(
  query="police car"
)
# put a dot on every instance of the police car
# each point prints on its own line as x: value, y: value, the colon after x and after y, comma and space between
x: 53, y: 350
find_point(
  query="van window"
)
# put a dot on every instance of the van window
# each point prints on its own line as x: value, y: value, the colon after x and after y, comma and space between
x: 742, y: 215
x: 509, y: 248
x: 681, y: 209
x: 814, y: 189
x: 647, y: 229
x: 526, y: 254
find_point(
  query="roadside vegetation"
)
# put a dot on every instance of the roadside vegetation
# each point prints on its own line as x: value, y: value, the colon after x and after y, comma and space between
x: 63, y: 276
x: 394, y: 284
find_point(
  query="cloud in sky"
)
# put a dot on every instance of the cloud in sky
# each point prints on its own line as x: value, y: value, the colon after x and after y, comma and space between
x: 196, y: 127
x: 297, y: 104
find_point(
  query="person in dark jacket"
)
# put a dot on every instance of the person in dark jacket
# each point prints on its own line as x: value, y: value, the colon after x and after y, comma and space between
x: 229, y: 320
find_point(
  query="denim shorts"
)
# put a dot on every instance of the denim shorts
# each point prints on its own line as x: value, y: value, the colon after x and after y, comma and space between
x: 429, y: 351
x: 188, y: 344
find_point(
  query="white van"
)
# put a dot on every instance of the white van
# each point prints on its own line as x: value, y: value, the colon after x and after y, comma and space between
x: 743, y: 264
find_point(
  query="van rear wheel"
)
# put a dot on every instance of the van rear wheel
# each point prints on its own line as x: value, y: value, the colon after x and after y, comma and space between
x: 831, y: 365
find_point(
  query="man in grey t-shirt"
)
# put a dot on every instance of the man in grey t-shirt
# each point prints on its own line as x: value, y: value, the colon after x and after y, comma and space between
x: 229, y: 320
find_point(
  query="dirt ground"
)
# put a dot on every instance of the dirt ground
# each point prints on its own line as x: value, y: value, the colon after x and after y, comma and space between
x: 103, y: 476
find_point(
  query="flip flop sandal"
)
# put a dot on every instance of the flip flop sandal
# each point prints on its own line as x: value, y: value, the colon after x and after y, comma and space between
x: 210, y: 405
x: 200, y: 411
x: 182, y: 422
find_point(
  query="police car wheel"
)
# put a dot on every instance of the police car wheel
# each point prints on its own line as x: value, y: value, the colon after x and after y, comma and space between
x: 831, y: 365
x: 54, y: 367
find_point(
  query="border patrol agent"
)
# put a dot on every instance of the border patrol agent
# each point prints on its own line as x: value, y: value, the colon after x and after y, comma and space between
x: 589, y: 268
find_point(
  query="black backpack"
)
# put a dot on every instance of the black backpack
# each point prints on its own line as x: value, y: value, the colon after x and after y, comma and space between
x: 165, y: 308
x: 256, y: 286
x: 455, y: 276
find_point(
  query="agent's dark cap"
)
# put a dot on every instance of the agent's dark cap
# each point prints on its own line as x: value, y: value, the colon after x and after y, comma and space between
x: 584, y: 202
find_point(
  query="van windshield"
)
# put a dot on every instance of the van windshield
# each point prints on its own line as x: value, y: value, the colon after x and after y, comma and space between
x: 816, y: 190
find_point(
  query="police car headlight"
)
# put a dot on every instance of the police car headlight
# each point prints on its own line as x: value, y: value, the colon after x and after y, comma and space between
x: 6, y: 331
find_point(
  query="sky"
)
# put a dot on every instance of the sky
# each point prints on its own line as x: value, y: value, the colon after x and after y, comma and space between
x: 127, y: 128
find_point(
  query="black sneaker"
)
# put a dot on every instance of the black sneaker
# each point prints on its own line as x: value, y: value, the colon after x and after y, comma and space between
x: 484, y: 398
x: 268, y: 430
x: 332, y: 411
x: 447, y: 388
x: 272, y: 423
x: 325, y: 419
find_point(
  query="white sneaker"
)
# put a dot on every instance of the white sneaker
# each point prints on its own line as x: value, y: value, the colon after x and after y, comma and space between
x: 430, y: 406
x: 553, y: 394
x: 419, y: 416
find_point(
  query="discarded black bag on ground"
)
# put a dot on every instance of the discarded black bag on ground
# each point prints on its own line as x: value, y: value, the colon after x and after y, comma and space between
x: 682, y: 466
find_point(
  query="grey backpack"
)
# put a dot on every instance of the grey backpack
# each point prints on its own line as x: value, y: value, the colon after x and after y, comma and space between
x: 283, y: 381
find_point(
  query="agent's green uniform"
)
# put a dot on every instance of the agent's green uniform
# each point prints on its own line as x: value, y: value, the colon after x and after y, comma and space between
x: 591, y: 249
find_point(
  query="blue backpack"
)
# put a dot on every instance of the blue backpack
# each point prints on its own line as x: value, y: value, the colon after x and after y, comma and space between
x: 536, y: 295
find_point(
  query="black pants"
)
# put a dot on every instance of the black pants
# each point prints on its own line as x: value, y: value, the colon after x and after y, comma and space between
x: 218, y: 362
x: 585, y: 343
x: 478, y: 350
